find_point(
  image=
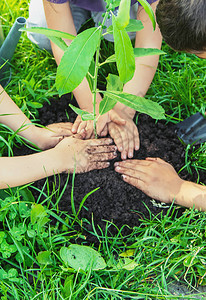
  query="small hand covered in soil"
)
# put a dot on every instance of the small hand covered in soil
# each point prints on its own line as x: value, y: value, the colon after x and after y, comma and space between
x: 153, y: 176
x: 69, y: 154
x: 102, y: 122
x: 126, y: 137
x: 49, y: 136
x: 160, y: 181
x: 85, y: 155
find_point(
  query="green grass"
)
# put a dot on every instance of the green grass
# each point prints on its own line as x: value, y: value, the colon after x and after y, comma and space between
x: 161, y: 250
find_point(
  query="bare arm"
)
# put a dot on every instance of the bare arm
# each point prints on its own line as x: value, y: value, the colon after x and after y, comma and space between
x: 71, y: 153
x: 45, y: 138
x: 15, y: 171
x: 145, y: 66
x: 127, y: 137
x: 12, y: 116
x: 160, y: 181
x: 59, y: 17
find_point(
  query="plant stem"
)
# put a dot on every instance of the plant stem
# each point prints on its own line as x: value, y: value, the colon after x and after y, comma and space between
x: 94, y: 92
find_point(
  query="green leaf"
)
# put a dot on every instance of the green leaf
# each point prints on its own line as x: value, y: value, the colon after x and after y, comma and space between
x: 68, y: 286
x: 26, y: 194
x: 84, y: 114
x: 24, y: 210
x: 76, y: 60
x: 128, y: 253
x: 129, y: 264
x: 44, y: 258
x: 2, y: 236
x: 36, y: 212
x: 190, y: 260
x: 18, y: 231
x: 133, y: 26
x: 124, y: 53
x: 140, y: 104
x: 90, y: 74
x: 3, y: 274
x: 50, y: 32
x: 34, y: 104
x: 82, y: 257
x: 113, y: 84
x: 59, y: 42
x: 110, y: 59
x: 38, y: 215
x: 122, y: 19
x: 7, y: 249
x: 24, y: 258
x: 139, y: 52
x: 149, y: 11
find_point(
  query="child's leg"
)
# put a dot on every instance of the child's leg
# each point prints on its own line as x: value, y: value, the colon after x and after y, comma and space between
x: 97, y: 17
x: 37, y: 19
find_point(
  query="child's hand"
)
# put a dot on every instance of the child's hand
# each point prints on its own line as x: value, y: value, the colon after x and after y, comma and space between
x: 153, y: 176
x: 102, y: 122
x: 85, y: 155
x: 126, y: 137
x: 80, y: 125
x: 49, y: 136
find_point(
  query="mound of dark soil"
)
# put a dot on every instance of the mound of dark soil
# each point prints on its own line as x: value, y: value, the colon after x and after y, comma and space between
x: 115, y: 200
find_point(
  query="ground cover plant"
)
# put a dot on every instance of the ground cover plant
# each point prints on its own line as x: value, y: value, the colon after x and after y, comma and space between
x: 36, y: 235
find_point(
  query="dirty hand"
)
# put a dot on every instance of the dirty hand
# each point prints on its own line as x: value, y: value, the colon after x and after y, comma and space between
x: 126, y: 136
x: 49, y: 136
x: 153, y: 176
x: 102, y: 122
x: 85, y: 155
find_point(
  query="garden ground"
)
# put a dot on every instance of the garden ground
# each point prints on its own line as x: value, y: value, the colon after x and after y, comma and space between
x: 145, y: 245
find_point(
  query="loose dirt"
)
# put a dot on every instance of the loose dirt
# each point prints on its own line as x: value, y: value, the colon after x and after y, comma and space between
x: 115, y: 201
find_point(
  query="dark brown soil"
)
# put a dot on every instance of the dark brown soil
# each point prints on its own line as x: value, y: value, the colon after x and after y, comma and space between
x: 115, y: 200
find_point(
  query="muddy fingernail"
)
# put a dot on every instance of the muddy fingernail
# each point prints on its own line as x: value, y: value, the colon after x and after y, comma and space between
x: 117, y: 168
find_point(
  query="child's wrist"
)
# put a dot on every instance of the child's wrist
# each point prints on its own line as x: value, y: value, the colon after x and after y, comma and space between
x: 121, y: 109
x: 183, y: 197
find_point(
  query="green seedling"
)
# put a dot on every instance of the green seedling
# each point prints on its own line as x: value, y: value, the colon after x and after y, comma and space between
x: 74, y: 67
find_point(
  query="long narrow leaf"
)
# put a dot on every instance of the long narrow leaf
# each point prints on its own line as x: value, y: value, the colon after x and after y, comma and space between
x: 140, y: 52
x: 84, y: 114
x: 149, y: 11
x: 124, y: 53
x: 59, y: 42
x: 49, y: 32
x: 133, y: 26
x: 113, y: 84
x: 123, y: 16
x: 76, y: 60
x: 140, y: 104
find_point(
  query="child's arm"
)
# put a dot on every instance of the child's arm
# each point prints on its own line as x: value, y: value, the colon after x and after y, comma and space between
x: 139, y: 84
x: 59, y: 17
x: 71, y: 153
x: 159, y: 180
x: 12, y: 116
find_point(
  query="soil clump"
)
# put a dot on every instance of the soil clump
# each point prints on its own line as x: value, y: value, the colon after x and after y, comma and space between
x: 115, y: 200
